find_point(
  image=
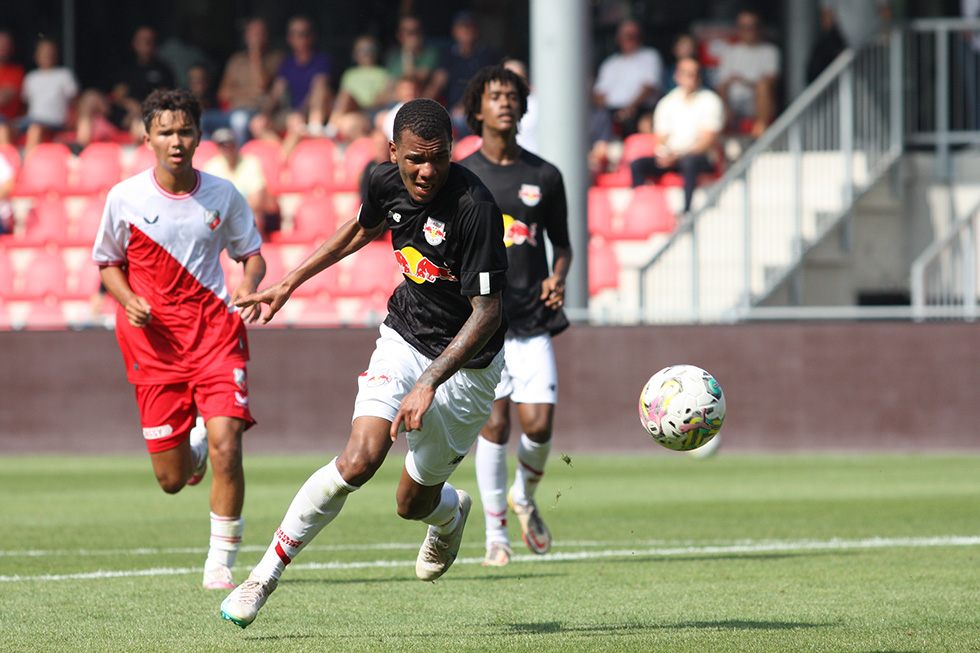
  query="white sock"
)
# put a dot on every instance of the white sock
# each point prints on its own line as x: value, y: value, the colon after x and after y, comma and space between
x: 446, y: 515
x: 226, y: 539
x: 316, y: 504
x: 531, y: 458
x: 491, y: 476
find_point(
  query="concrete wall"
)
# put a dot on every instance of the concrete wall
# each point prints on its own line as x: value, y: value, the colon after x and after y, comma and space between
x: 790, y: 387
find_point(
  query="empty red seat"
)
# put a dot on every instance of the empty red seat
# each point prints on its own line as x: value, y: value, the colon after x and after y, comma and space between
x: 647, y: 213
x: 44, y: 276
x: 466, y: 146
x: 45, y: 314
x: 356, y: 157
x: 99, y: 168
x: 314, y: 219
x: 44, y: 171
x: 603, y: 266
x: 600, y: 210
x: 85, y: 227
x: 371, y: 272
x: 205, y: 151
x: 312, y: 164
x: 269, y: 153
x: 143, y: 159
x: 47, y: 222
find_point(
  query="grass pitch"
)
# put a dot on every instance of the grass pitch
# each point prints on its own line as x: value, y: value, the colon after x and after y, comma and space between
x: 658, y: 553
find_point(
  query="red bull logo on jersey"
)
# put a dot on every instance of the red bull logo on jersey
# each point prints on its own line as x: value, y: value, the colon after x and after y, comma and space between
x: 420, y: 269
x: 530, y: 194
x: 518, y: 233
x: 212, y: 218
x: 435, y: 231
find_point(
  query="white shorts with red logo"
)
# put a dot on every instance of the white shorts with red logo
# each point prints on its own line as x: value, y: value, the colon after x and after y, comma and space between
x: 530, y: 375
x: 460, y: 409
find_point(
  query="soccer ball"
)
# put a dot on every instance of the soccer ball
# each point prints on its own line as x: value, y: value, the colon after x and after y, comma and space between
x: 682, y: 407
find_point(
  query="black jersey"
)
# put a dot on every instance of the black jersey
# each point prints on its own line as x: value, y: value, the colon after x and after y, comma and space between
x: 449, y: 249
x: 531, y: 194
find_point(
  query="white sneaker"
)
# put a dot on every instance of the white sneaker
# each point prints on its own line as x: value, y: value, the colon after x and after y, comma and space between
x: 438, y: 552
x: 199, y: 442
x: 243, y: 605
x: 533, y: 531
x: 498, y: 555
x: 218, y: 578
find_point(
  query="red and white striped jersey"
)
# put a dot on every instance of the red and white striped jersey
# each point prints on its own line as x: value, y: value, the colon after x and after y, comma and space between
x: 169, y: 247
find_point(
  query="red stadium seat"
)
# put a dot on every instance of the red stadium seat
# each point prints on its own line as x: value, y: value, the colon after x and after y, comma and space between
x: 646, y: 214
x: 635, y: 146
x: 269, y: 153
x: 143, y: 159
x: 466, y: 146
x: 603, y: 266
x: 315, y: 219
x: 311, y: 165
x: 44, y: 276
x: 205, y: 151
x: 320, y: 311
x: 356, y: 157
x: 47, y: 222
x: 6, y: 274
x: 44, y: 171
x: 99, y: 168
x: 85, y: 227
x: 371, y: 272
x: 46, y: 314
x: 600, y: 210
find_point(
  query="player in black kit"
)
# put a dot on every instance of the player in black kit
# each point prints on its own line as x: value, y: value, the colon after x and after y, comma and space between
x: 438, y: 359
x: 531, y: 194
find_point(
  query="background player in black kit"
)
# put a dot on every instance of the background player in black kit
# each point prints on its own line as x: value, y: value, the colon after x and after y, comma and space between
x: 438, y: 359
x: 531, y: 194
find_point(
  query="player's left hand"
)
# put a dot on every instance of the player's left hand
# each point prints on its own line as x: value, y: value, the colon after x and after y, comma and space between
x: 413, y: 407
x: 553, y: 292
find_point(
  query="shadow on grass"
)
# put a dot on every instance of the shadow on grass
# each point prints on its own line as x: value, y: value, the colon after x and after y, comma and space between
x: 413, y: 579
x: 554, y: 627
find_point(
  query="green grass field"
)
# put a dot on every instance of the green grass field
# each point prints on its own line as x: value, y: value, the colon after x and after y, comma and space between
x: 658, y: 553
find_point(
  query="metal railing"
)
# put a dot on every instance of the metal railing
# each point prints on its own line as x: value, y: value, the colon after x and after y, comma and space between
x: 944, y: 276
x: 787, y: 190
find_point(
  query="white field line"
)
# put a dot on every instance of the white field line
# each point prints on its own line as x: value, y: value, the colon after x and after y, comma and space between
x: 746, y: 546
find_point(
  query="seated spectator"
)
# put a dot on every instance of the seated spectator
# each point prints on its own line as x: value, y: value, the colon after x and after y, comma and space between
x: 364, y: 88
x: 245, y: 172
x: 301, y: 96
x: 748, y: 72
x: 11, y: 83
x: 467, y: 55
x: 106, y: 116
x: 527, y: 129
x: 199, y: 83
x: 859, y: 21
x: 48, y: 91
x: 412, y: 57
x: 628, y: 83
x: 406, y: 88
x: 685, y: 47
x: 247, y: 79
x: 687, y: 124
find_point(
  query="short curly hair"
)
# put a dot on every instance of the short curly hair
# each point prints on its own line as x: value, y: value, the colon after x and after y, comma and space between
x: 175, y: 101
x: 473, y: 94
x: 425, y: 118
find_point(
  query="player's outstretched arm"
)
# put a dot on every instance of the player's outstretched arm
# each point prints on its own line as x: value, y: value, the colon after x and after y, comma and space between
x: 137, y: 308
x: 346, y: 240
x: 474, y: 334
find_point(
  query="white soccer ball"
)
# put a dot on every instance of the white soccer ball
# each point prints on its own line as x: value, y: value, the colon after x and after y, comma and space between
x: 682, y: 407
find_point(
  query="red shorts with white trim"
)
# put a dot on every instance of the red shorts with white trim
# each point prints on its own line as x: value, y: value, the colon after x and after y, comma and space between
x: 167, y: 412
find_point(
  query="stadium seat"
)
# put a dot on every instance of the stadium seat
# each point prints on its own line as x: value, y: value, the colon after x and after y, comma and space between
x: 10, y: 153
x: 99, y: 168
x: 321, y: 285
x: 45, y: 314
x: 44, y: 171
x: 85, y: 280
x: 206, y: 150
x: 85, y: 227
x: 269, y: 153
x: 603, y: 266
x: 356, y: 157
x: 234, y: 271
x: 314, y: 219
x: 43, y: 276
x: 600, y: 210
x: 371, y: 272
x: 635, y: 146
x: 646, y: 214
x: 311, y: 165
x: 143, y: 159
x: 466, y: 146
x: 319, y: 311
x: 6, y: 273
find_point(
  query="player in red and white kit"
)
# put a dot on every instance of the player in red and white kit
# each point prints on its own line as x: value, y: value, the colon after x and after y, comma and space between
x: 183, y: 340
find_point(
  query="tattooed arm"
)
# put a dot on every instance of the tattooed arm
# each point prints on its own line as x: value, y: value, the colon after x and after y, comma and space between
x: 474, y: 334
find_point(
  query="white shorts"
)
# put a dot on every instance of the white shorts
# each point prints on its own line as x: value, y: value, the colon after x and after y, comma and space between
x: 530, y: 375
x: 460, y: 409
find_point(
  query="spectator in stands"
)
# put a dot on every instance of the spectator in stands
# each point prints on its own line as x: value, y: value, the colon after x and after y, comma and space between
x: 685, y: 46
x: 199, y: 83
x: 180, y: 54
x: 301, y: 96
x: 828, y: 44
x: 859, y: 21
x: 412, y: 57
x: 628, y: 82
x: 527, y: 129
x: 364, y: 89
x: 247, y: 79
x: 748, y: 73
x: 245, y: 172
x: 687, y: 124
x: 11, y: 83
x: 467, y: 55
x: 48, y: 91
x: 103, y: 117
x: 7, y: 179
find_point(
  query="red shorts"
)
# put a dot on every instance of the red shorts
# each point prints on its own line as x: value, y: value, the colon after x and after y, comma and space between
x: 167, y: 412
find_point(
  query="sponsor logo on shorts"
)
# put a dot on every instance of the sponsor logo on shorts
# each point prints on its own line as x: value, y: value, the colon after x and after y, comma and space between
x: 158, y: 432
x: 239, y: 375
x: 241, y: 400
x: 457, y: 460
x: 377, y: 377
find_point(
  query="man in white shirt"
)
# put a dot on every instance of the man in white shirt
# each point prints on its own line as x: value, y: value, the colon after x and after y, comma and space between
x: 747, y: 75
x: 628, y: 82
x: 686, y: 126
x: 48, y: 91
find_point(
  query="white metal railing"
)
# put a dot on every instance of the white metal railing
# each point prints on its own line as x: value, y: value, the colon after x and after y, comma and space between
x: 944, y: 276
x: 781, y: 197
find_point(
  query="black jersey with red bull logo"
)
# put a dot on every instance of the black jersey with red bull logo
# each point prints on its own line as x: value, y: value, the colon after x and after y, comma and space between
x: 531, y: 195
x: 449, y: 250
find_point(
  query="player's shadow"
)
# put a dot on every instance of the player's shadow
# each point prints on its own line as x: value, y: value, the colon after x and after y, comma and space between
x: 413, y: 579
x: 553, y: 627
